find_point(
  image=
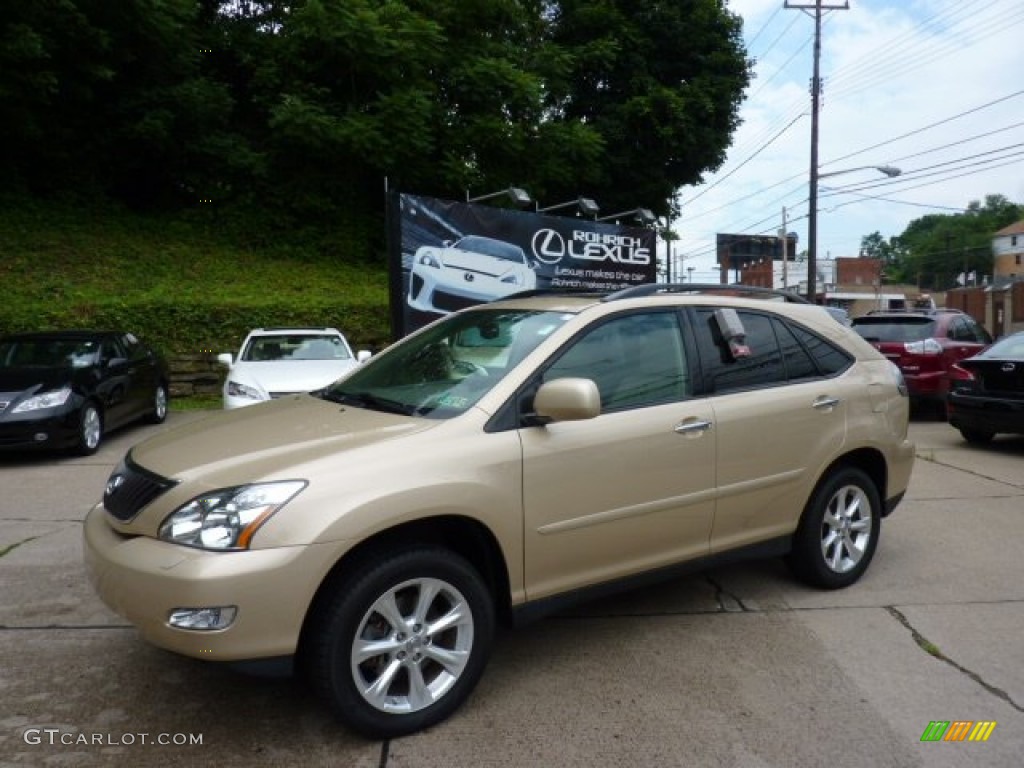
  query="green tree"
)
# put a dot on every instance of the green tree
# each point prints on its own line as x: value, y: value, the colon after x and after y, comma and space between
x: 937, y: 250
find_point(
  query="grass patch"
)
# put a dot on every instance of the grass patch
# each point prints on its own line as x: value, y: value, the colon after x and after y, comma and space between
x: 185, y: 283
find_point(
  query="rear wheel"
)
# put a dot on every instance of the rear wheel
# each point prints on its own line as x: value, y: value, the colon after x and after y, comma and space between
x: 977, y: 436
x: 839, y: 530
x: 398, y: 645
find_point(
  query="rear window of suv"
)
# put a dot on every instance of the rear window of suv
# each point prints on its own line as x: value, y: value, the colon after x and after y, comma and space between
x: 895, y: 328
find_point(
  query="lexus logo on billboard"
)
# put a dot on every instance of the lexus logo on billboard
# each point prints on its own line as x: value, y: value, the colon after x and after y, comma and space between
x: 550, y: 247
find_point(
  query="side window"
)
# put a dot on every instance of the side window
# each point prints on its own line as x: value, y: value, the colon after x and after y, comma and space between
x: 133, y: 350
x: 960, y: 330
x: 112, y: 348
x: 722, y: 372
x: 829, y: 359
x: 978, y: 332
x: 799, y: 363
x: 636, y: 360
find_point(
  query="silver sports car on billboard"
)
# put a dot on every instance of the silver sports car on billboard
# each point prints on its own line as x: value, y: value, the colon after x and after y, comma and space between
x: 472, y: 270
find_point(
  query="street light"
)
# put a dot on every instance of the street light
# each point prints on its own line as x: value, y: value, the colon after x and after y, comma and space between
x: 585, y: 205
x: 518, y: 196
x: 643, y: 215
x: 812, y: 217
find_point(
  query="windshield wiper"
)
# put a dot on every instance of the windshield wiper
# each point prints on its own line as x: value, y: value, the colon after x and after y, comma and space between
x: 369, y: 400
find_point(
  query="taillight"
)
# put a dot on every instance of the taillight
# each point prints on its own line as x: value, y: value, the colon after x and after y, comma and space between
x: 925, y: 347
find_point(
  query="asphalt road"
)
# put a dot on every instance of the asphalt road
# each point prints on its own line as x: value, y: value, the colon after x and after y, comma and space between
x: 740, y: 666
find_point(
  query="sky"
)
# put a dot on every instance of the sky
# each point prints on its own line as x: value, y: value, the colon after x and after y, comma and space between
x: 934, y: 88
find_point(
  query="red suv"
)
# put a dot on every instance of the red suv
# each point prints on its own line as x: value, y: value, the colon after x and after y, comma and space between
x: 925, y: 345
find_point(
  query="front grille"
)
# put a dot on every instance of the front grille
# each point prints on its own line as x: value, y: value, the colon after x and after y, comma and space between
x: 275, y: 395
x: 131, y: 489
x: 452, y: 303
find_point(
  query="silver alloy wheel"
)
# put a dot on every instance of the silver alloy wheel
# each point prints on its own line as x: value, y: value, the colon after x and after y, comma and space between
x: 846, y: 529
x: 91, y: 428
x: 412, y: 645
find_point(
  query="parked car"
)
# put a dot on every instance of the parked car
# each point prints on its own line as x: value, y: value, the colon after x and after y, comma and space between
x: 274, y: 362
x: 925, y: 345
x: 496, y: 465
x: 472, y: 270
x: 987, y: 393
x: 67, y: 389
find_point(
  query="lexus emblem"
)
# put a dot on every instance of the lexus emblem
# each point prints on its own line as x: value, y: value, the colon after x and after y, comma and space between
x: 113, y: 484
x: 1008, y: 367
x: 468, y: 277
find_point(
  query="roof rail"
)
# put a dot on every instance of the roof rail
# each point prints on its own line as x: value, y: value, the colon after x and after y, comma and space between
x: 654, y: 289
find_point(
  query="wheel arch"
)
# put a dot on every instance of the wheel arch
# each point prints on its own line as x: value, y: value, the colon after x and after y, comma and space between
x: 870, y: 461
x: 464, y: 536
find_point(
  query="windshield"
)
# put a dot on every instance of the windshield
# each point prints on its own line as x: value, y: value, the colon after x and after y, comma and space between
x: 49, y: 353
x: 444, y: 370
x: 891, y: 329
x: 489, y: 247
x: 295, y: 347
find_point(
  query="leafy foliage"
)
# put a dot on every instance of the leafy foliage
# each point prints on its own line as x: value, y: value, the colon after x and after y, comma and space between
x: 937, y: 250
x: 302, y: 108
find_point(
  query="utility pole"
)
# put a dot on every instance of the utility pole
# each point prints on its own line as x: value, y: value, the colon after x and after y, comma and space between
x: 812, y: 213
x: 784, y: 243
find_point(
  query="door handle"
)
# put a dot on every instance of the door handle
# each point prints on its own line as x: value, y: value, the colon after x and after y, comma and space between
x: 696, y: 426
x: 825, y: 402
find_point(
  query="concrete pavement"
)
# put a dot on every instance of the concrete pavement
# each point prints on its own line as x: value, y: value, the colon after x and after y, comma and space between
x: 740, y: 666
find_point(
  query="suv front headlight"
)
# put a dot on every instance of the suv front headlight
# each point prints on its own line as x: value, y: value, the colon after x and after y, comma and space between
x: 226, y: 519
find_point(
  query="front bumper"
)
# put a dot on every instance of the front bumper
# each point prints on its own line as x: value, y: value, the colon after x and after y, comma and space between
x: 43, y: 430
x: 143, y: 580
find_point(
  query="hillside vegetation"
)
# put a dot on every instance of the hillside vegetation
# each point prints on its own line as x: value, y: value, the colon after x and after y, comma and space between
x: 187, y: 284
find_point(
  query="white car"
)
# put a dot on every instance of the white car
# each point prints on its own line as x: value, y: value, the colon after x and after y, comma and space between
x: 274, y: 362
x: 472, y: 270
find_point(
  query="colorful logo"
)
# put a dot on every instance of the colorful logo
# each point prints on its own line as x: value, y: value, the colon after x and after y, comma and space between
x: 958, y: 730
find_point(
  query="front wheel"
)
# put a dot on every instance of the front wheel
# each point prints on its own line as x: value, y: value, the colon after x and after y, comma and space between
x: 158, y: 413
x: 90, y: 430
x: 839, y: 530
x: 402, y: 642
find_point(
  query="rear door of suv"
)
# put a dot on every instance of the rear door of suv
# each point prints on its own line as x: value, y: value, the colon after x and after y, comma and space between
x: 779, y: 412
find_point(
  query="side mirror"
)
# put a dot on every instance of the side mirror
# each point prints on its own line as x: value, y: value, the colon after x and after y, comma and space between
x: 224, y: 358
x: 116, y: 361
x: 363, y: 355
x: 567, y: 400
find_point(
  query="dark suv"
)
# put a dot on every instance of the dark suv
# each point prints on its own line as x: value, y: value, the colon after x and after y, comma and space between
x: 925, y: 345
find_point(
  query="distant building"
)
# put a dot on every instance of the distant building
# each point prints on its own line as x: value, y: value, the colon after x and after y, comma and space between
x: 1008, y: 252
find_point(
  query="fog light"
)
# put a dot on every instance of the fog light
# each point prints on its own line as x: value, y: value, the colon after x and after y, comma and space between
x: 203, y: 618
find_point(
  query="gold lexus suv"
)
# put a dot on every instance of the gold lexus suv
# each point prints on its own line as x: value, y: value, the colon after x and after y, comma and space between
x: 492, y: 467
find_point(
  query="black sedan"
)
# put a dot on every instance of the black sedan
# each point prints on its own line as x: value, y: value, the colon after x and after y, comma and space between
x: 986, y: 393
x: 66, y: 389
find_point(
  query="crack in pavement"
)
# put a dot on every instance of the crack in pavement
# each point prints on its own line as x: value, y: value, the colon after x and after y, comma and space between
x: 8, y: 549
x: 929, y: 647
x: 728, y: 602
x: 932, y: 460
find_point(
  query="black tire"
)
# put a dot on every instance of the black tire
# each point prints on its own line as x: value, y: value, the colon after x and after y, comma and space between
x: 977, y: 436
x: 160, y: 399
x: 405, y: 654
x: 839, y: 530
x: 90, y: 430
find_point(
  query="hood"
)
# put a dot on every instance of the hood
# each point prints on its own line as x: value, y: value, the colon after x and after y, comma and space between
x: 291, y: 375
x: 267, y: 440
x: 18, y: 380
x: 479, y: 262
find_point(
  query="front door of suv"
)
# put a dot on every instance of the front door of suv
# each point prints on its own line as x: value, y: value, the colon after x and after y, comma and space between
x: 779, y: 414
x: 632, y: 489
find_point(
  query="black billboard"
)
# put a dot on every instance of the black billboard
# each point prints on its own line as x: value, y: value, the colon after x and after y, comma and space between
x: 452, y: 255
x: 739, y: 251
